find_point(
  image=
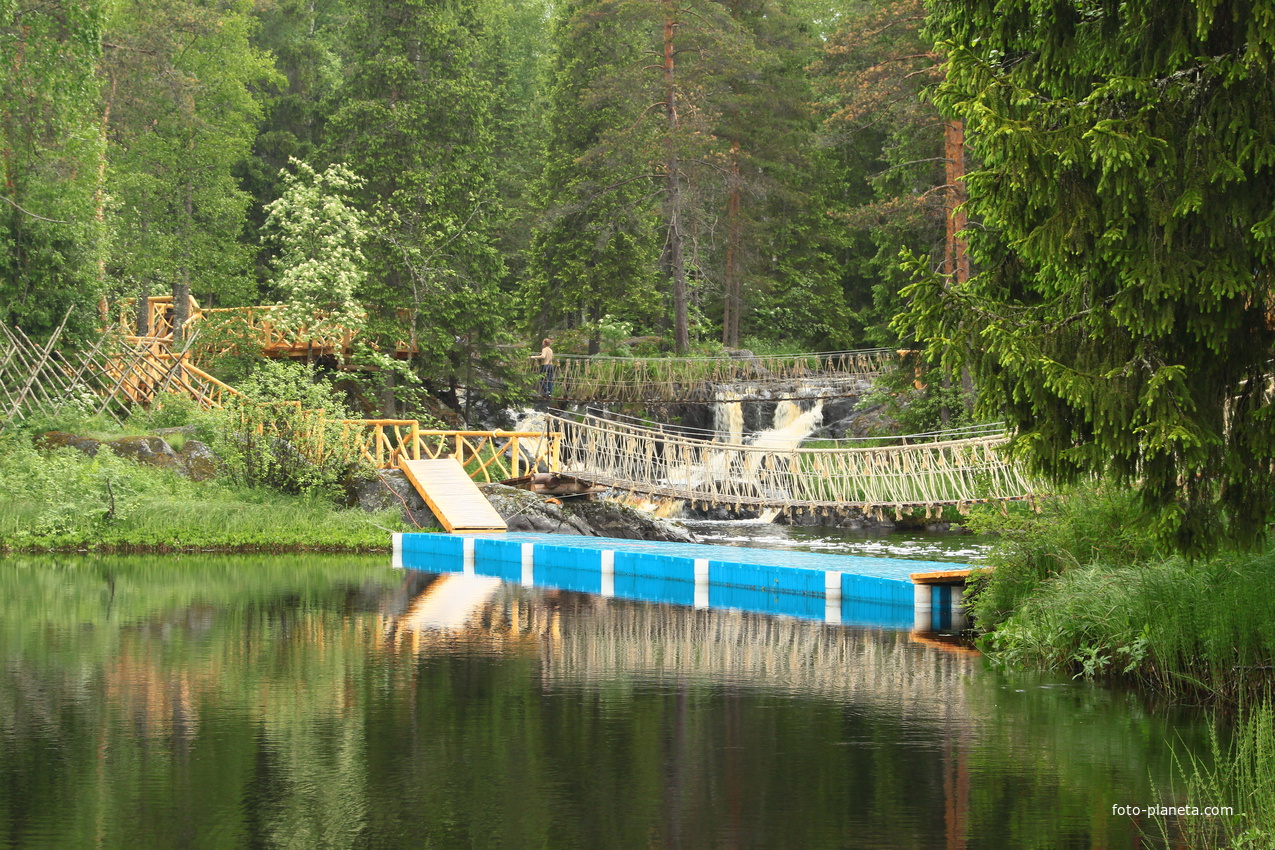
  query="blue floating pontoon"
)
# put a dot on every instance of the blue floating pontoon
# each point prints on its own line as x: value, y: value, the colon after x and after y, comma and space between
x: 833, y: 588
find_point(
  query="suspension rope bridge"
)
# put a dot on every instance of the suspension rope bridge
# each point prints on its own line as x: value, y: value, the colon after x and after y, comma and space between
x: 586, y: 379
x: 928, y: 474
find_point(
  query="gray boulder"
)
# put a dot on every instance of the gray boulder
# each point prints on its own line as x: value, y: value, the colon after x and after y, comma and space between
x: 524, y: 511
x: 147, y: 449
x: 60, y: 439
x: 198, y: 461
x: 609, y: 519
x: 391, y: 489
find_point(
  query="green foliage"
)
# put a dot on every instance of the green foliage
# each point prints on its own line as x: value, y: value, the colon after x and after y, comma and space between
x: 320, y: 264
x: 1240, y: 775
x: 1073, y: 530
x: 1120, y: 319
x: 1086, y: 589
x: 1185, y: 628
x: 183, y: 113
x: 51, y: 151
x: 919, y: 410
x: 286, y: 434
x: 728, y: 182
x: 887, y: 141
x: 171, y: 411
x: 412, y: 120
x: 65, y: 500
x: 304, y: 39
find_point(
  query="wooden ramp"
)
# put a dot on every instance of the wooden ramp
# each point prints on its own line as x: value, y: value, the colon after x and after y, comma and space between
x: 456, y: 500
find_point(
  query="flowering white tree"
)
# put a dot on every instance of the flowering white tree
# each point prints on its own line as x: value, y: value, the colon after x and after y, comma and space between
x: 320, y: 265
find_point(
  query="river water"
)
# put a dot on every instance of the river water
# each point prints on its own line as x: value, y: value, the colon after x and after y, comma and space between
x: 304, y: 701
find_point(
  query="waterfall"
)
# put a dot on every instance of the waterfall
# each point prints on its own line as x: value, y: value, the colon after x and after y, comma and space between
x: 791, y: 426
x: 728, y: 417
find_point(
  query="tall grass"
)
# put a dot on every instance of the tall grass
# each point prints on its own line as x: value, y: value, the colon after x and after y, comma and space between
x: 65, y: 500
x: 1082, y: 589
x: 1074, y: 529
x: 1241, y: 777
x: 1185, y: 629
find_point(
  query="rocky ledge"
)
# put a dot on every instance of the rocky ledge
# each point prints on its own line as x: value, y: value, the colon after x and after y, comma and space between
x: 526, y: 511
x: 195, y: 461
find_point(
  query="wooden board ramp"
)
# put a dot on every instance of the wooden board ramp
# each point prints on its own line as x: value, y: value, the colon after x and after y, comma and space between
x: 455, y: 499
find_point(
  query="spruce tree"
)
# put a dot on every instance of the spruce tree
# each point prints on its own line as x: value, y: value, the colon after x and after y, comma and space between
x: 1121, y: 314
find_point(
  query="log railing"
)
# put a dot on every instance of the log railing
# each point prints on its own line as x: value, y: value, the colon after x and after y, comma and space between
x: 486, y: 455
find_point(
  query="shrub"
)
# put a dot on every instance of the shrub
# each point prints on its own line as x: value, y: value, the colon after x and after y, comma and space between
x: 286, y: 433
x: 1084, y: 526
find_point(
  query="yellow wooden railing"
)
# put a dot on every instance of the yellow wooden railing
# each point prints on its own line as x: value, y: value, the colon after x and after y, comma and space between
x: 256, y: 323
x: 486, y: 455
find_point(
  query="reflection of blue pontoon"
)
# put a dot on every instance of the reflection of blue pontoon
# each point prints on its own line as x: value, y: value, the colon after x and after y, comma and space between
x: 835, y: 588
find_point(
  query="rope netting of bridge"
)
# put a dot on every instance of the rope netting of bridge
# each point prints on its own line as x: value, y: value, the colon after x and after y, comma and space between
x: 929, y: 474
x: 638, y: 379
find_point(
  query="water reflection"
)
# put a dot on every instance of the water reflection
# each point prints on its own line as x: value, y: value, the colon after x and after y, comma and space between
x: 311, y: 702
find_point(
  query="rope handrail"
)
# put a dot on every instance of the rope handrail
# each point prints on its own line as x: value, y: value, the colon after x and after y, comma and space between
x: 597, y: 378
x: 713, y: 435
x: 725, y: 358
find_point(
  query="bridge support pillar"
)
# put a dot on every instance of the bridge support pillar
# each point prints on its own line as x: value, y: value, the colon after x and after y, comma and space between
x: 922, y: 594
x: 528, y: 564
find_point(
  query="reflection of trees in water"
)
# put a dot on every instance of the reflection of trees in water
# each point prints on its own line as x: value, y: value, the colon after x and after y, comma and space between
x: 274, y: 710
x: 137, y: 690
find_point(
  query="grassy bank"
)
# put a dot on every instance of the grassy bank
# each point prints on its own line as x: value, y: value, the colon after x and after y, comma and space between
x: 1081, y: 589
x: 64, y: 500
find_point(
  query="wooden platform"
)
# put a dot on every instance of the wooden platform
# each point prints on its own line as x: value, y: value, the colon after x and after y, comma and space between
x: 456, y: 500
x: 942, y: 577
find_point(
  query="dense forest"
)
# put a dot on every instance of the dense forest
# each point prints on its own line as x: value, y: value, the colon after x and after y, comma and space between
x: 705, y: 173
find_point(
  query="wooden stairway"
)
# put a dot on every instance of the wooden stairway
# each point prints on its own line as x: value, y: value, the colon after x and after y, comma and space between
x: 453, y: 497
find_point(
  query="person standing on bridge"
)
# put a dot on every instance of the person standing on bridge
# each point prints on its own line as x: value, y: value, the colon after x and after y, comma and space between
x: 546, y: 369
